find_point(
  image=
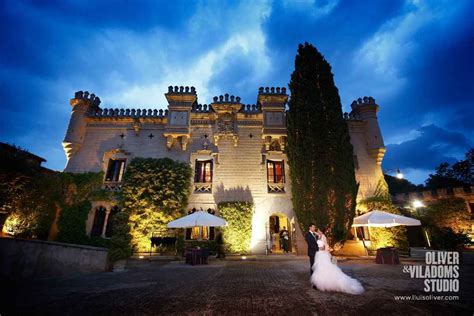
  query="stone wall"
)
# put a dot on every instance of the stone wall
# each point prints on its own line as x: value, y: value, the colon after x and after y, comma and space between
x: 21, y: 259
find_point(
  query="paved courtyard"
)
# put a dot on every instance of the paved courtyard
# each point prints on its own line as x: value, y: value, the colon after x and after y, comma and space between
x: 264, y: 285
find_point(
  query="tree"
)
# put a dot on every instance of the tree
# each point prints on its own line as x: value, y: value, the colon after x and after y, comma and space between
x: 459, y: 174
x: 319, y: 150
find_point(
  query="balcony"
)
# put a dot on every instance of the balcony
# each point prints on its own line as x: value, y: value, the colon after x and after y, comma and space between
x: 276, y: 187
x: 201, y: 187
x: 112, y: 186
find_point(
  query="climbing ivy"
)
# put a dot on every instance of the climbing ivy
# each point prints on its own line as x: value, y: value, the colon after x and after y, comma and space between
x: 238, y: 232
x: 155, y: 192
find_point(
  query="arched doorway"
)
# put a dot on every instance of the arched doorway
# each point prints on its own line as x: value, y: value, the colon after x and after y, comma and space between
x: 279, y: 226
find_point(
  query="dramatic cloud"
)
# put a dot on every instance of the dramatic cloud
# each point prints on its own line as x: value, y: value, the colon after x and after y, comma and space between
x: 414, y: 57
x: 430, y: 146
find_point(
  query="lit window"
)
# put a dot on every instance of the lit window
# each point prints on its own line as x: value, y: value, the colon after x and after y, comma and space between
x: 195, y: 232
x: 115, y: 170
x: 200, y: 233
x: 203, y: 171
x: 275, y: 172
x: 275, y: 176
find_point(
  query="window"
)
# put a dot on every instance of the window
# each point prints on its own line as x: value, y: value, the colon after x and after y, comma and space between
x: 115, y: 170
x: 275, y: 176
x: 99, y: 219
x: 275, y: 172
x: 203, y: 171
x: 200, y: 233
x: 203, y: 176
x: 109, y: 230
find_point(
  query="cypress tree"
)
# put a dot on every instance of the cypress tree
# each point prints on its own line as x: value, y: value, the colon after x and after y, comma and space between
x: 319, y: 151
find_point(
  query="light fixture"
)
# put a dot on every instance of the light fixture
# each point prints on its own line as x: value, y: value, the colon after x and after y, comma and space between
x: 399, y: 174
x: 244, y: 258
x: 417, y: 204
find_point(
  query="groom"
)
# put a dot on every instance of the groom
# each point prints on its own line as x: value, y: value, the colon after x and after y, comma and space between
x: 311, y: 240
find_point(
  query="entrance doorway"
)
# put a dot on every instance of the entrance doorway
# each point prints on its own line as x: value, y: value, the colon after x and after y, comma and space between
x: 277, y: 224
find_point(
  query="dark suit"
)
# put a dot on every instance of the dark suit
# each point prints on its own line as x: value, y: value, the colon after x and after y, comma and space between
x: 311, y: 240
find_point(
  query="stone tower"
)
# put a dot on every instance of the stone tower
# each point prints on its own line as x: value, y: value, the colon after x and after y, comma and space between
x: 82, y: 103
x: 181, y: 101
x: 273, y: 102
x: 366, y: 109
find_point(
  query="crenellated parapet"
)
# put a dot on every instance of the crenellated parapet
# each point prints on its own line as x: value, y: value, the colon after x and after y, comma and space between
x: 250, y: 108
x: 466, y: 193
x: 181, y: 97
x: 84, y: 95
x: 272, y: 98
x: 363, y: 101
x: 351, y: 117
x: 272, y: 91
x: 129, y: 113
x: 226, y: 104
x: 201, y: 108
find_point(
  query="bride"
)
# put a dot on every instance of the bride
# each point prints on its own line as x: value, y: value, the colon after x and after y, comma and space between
x: 329, y: 277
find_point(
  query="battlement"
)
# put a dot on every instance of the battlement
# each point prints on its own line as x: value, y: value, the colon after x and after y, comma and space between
x: 84, y: 95
x: 181, y: 97
x: 428, y: 196
x: 250, y: 108
x: 226, y: 99
x: 130, y: 113
x: 363, y: 101
x: 272, y: 91
x: 272, y: 98
x: 201, y: 108
x: 181, y: 90
x: 351, y: 117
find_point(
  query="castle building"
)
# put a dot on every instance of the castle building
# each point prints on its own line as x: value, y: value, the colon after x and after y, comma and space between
x: 237, y: 152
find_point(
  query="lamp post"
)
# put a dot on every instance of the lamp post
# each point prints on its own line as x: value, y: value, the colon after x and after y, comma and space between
x: 398, y: 174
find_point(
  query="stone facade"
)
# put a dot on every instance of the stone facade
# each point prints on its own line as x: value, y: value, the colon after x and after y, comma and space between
x: 240, y: 142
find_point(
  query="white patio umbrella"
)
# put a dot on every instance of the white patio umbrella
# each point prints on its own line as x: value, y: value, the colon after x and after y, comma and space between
x: 199, y: 218
x: 384, y: 219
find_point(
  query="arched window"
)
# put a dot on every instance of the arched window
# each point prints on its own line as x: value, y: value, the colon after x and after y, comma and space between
x: 99, y: 219
x: 109, y: 230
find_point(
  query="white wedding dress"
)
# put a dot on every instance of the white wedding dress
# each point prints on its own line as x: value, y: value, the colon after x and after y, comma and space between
x: 329, y: 277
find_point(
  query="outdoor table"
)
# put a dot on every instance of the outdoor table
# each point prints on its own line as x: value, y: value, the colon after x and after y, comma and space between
x: 196, y: 256
x: 387, y: 256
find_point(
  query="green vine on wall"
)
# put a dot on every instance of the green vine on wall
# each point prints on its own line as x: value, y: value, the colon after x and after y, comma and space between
x: 155, y: 192
x: 238, y: 232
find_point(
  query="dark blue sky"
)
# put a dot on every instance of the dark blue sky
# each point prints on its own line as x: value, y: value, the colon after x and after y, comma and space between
x: 413, y: 57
